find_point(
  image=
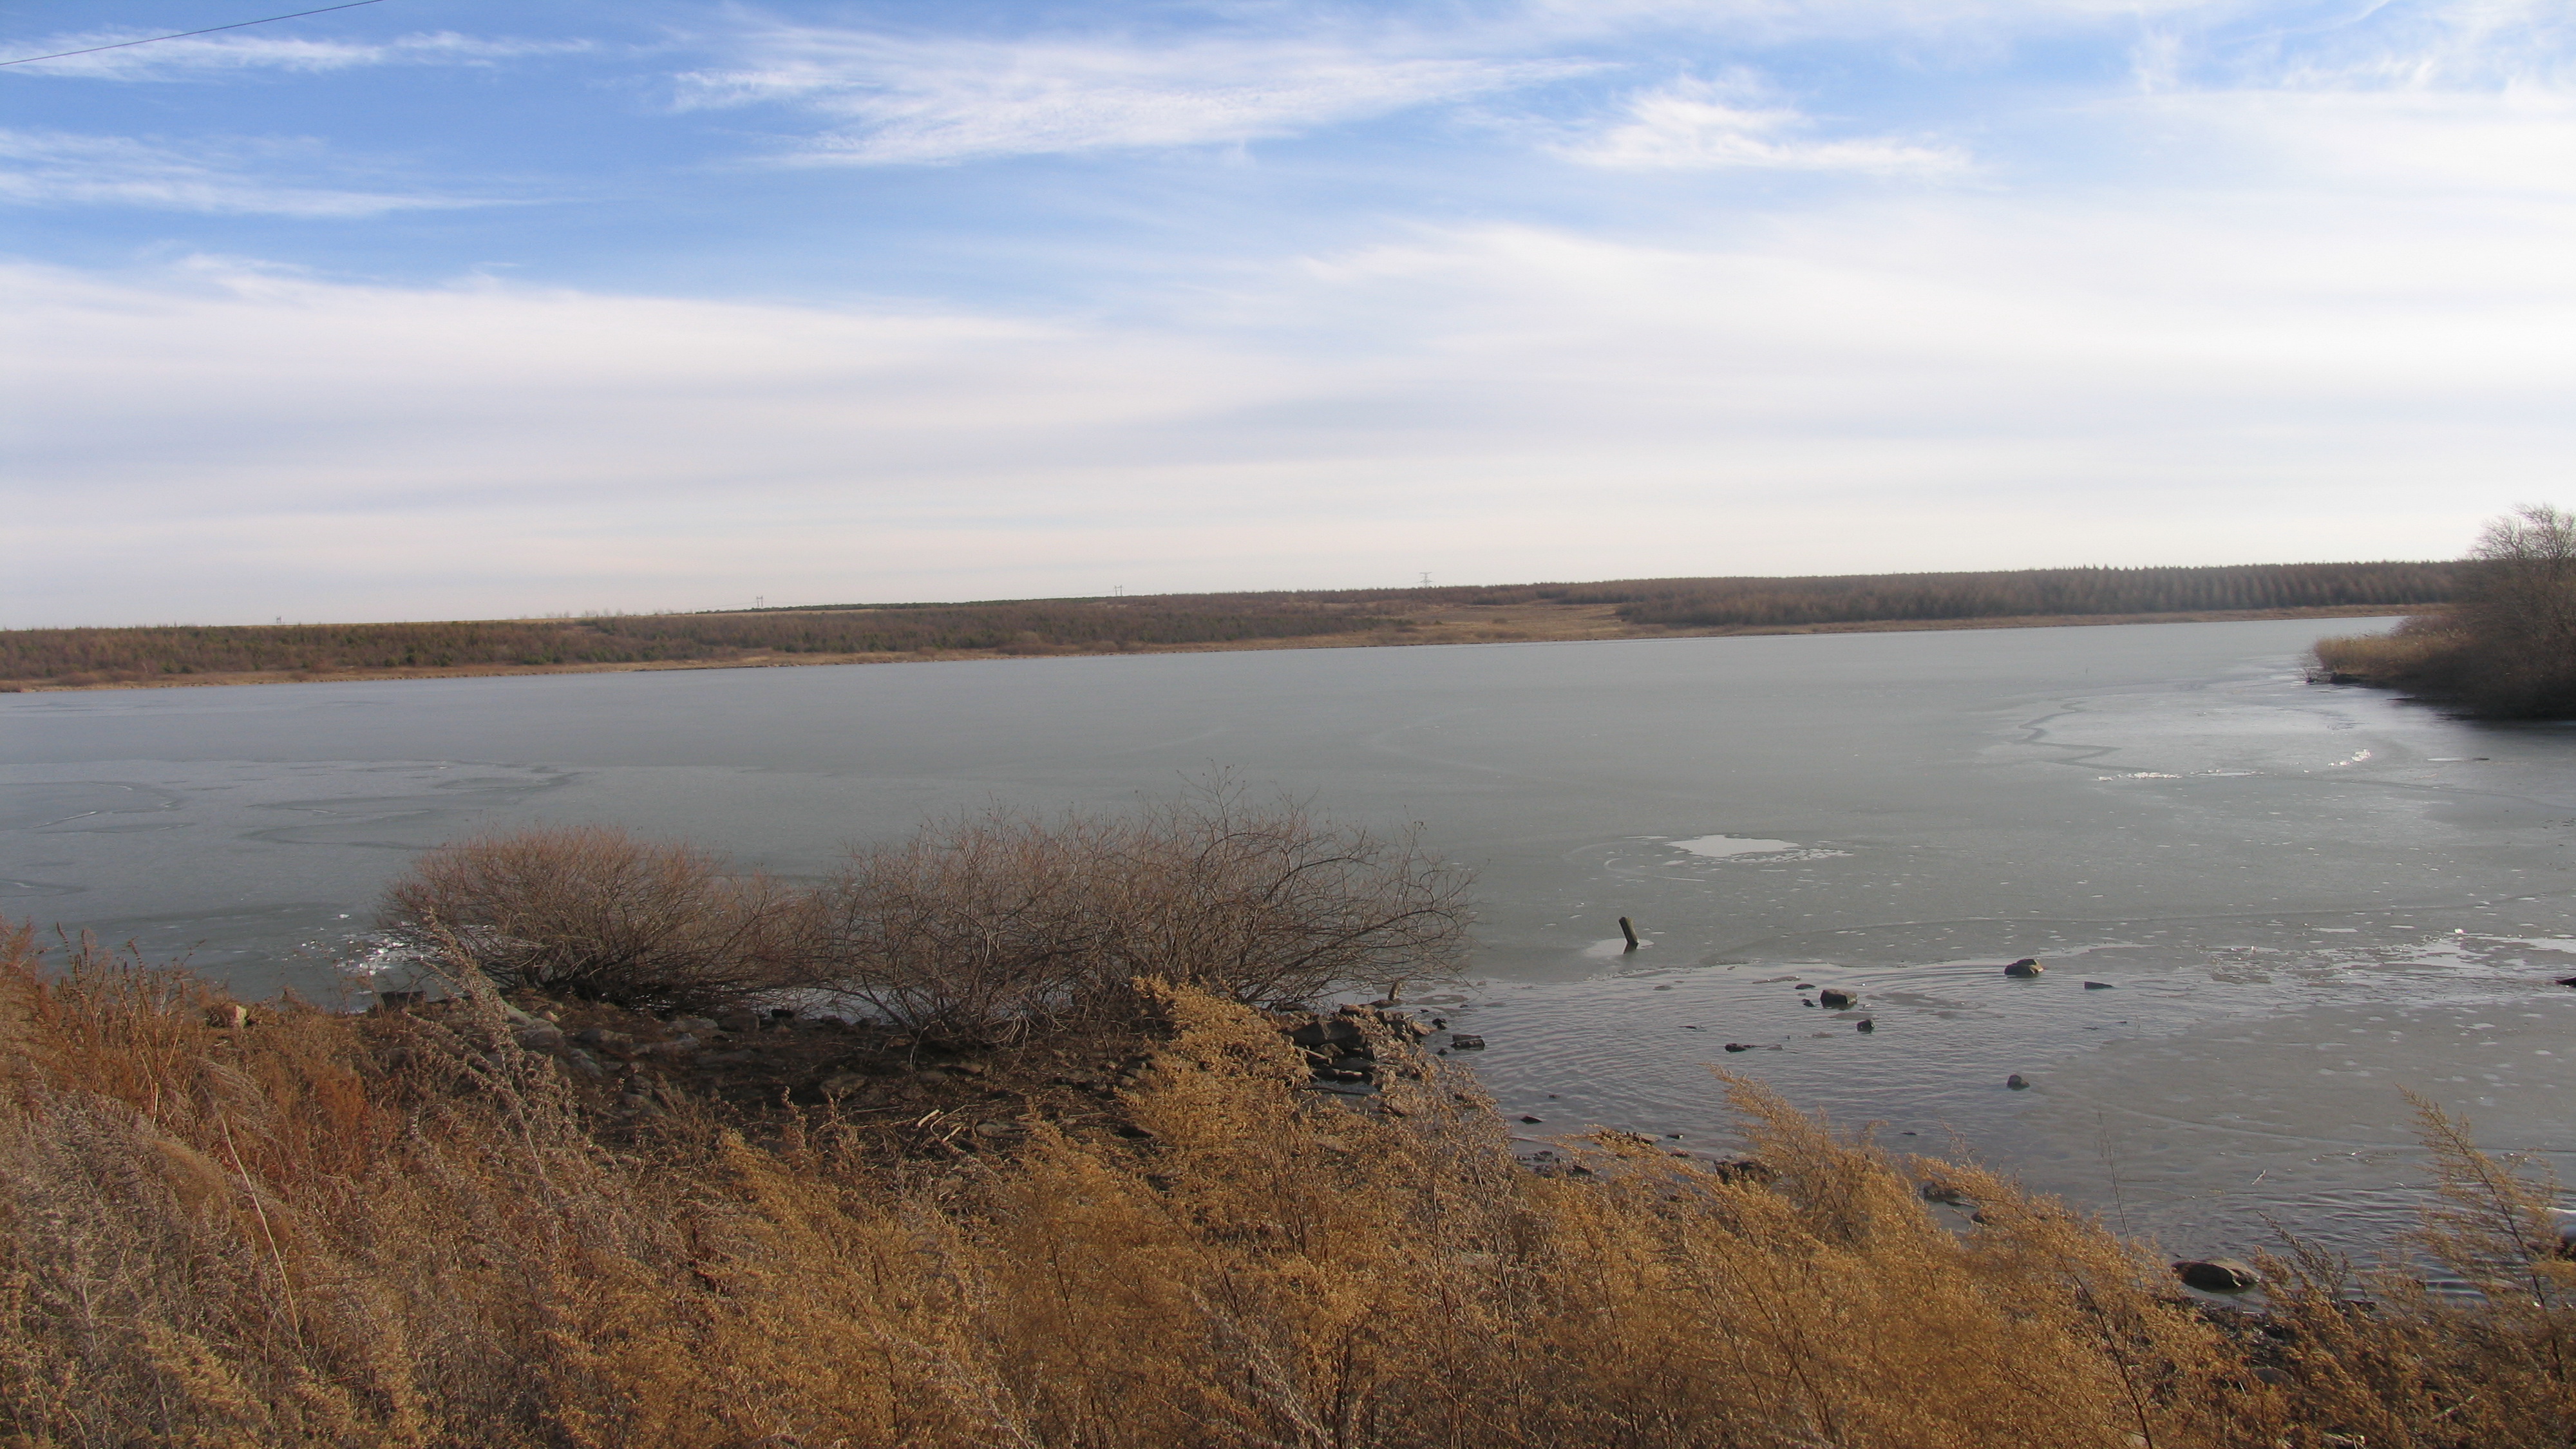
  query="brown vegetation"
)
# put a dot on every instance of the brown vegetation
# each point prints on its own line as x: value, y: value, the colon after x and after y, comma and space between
x: 983, y: 925
x: 591, y: 912
x: 295, y: 1228
x: 995, y: 922
x: 2506, y: 647
x: 80, y: 658
x: 2073, y: 593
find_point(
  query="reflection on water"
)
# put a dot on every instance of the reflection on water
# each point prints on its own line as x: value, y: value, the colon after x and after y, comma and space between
x: 2295, y: 900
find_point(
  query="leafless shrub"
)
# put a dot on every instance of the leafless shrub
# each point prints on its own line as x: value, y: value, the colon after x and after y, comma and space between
x: 982, y: 922
x: 593, y: 912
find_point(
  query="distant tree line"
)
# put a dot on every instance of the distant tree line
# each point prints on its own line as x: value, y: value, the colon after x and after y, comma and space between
x: 114, y: 655
x: 1758, y: 602
x: 89, y: 656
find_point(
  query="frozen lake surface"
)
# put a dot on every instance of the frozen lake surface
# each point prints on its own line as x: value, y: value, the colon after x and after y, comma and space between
x: 2302, y: 899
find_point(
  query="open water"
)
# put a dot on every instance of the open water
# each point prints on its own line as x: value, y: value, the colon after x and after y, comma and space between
x: 2302, y: 900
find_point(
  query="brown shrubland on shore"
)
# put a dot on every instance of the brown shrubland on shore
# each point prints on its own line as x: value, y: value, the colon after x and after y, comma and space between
x: 2505, y: 646
x: 445, y: 1224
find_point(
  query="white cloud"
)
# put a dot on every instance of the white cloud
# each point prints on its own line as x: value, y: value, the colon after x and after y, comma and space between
x: 915, y: 101
x: 2444, y: 45
x: 203, y: 55
x: 1976, y: 22
x: 1696, y: 125
x: 2512, y: 143
x: 55, y: 168
x: 1950, y: 380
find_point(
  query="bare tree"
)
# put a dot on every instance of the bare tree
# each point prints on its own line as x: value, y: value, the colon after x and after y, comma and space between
x: 592, y: 912
x: 2519, y: 613
x: 2527, y: 570
x: 986, y: 922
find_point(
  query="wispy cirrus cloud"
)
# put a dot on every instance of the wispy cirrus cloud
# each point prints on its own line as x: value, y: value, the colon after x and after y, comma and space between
x: 897, y: 101
x: 197, y: 57
x: 2444, y: 45
x: 1697, y: 125
x: 58, y: 168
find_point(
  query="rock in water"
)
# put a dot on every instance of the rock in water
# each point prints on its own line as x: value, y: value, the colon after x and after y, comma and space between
x: 2024, y: 967
x: 1737, y: 1046
x: 1326, y: 1033
x: 1836, y: 999
x: 2097, y: 986
x: 1943, y: 1192
x: 2017, y: 1082
x: 1865, y: 1024
x: 2219, y: 1275
x: 1466, y: 1043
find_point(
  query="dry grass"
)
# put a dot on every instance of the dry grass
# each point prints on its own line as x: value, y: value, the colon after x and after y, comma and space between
x: 311, y: 1229
x: 2424, y: 651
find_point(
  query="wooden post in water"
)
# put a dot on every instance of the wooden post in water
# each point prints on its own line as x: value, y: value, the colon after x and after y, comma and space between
x: 1629, y: 931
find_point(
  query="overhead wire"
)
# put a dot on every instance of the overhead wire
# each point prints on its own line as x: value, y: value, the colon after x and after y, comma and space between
x: 184, y: 34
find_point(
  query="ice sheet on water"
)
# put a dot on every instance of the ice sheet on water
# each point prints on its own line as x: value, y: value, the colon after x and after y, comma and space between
x: 1718, y: 847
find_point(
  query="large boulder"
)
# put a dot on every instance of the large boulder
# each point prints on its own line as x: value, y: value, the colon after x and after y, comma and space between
x: 2218, y: 1275
x: 1332, y: 1031
x: 2024, y: 967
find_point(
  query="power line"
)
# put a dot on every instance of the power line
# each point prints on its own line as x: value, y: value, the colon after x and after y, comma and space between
x: 184, y: 34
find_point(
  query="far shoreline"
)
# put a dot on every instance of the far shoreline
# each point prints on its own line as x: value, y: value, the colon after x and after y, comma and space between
x: 1453, y: 625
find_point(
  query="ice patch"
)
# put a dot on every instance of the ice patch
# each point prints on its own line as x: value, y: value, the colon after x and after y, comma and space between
x: 2357, y: 758
x: 1718, y: 847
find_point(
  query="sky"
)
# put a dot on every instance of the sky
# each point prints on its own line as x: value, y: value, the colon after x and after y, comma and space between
x: 448, y: 308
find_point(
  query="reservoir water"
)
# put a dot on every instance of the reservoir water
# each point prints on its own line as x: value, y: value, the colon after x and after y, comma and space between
x: 2300, y: 901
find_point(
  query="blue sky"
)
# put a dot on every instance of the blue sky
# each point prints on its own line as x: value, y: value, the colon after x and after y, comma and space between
x: 436, y: 308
